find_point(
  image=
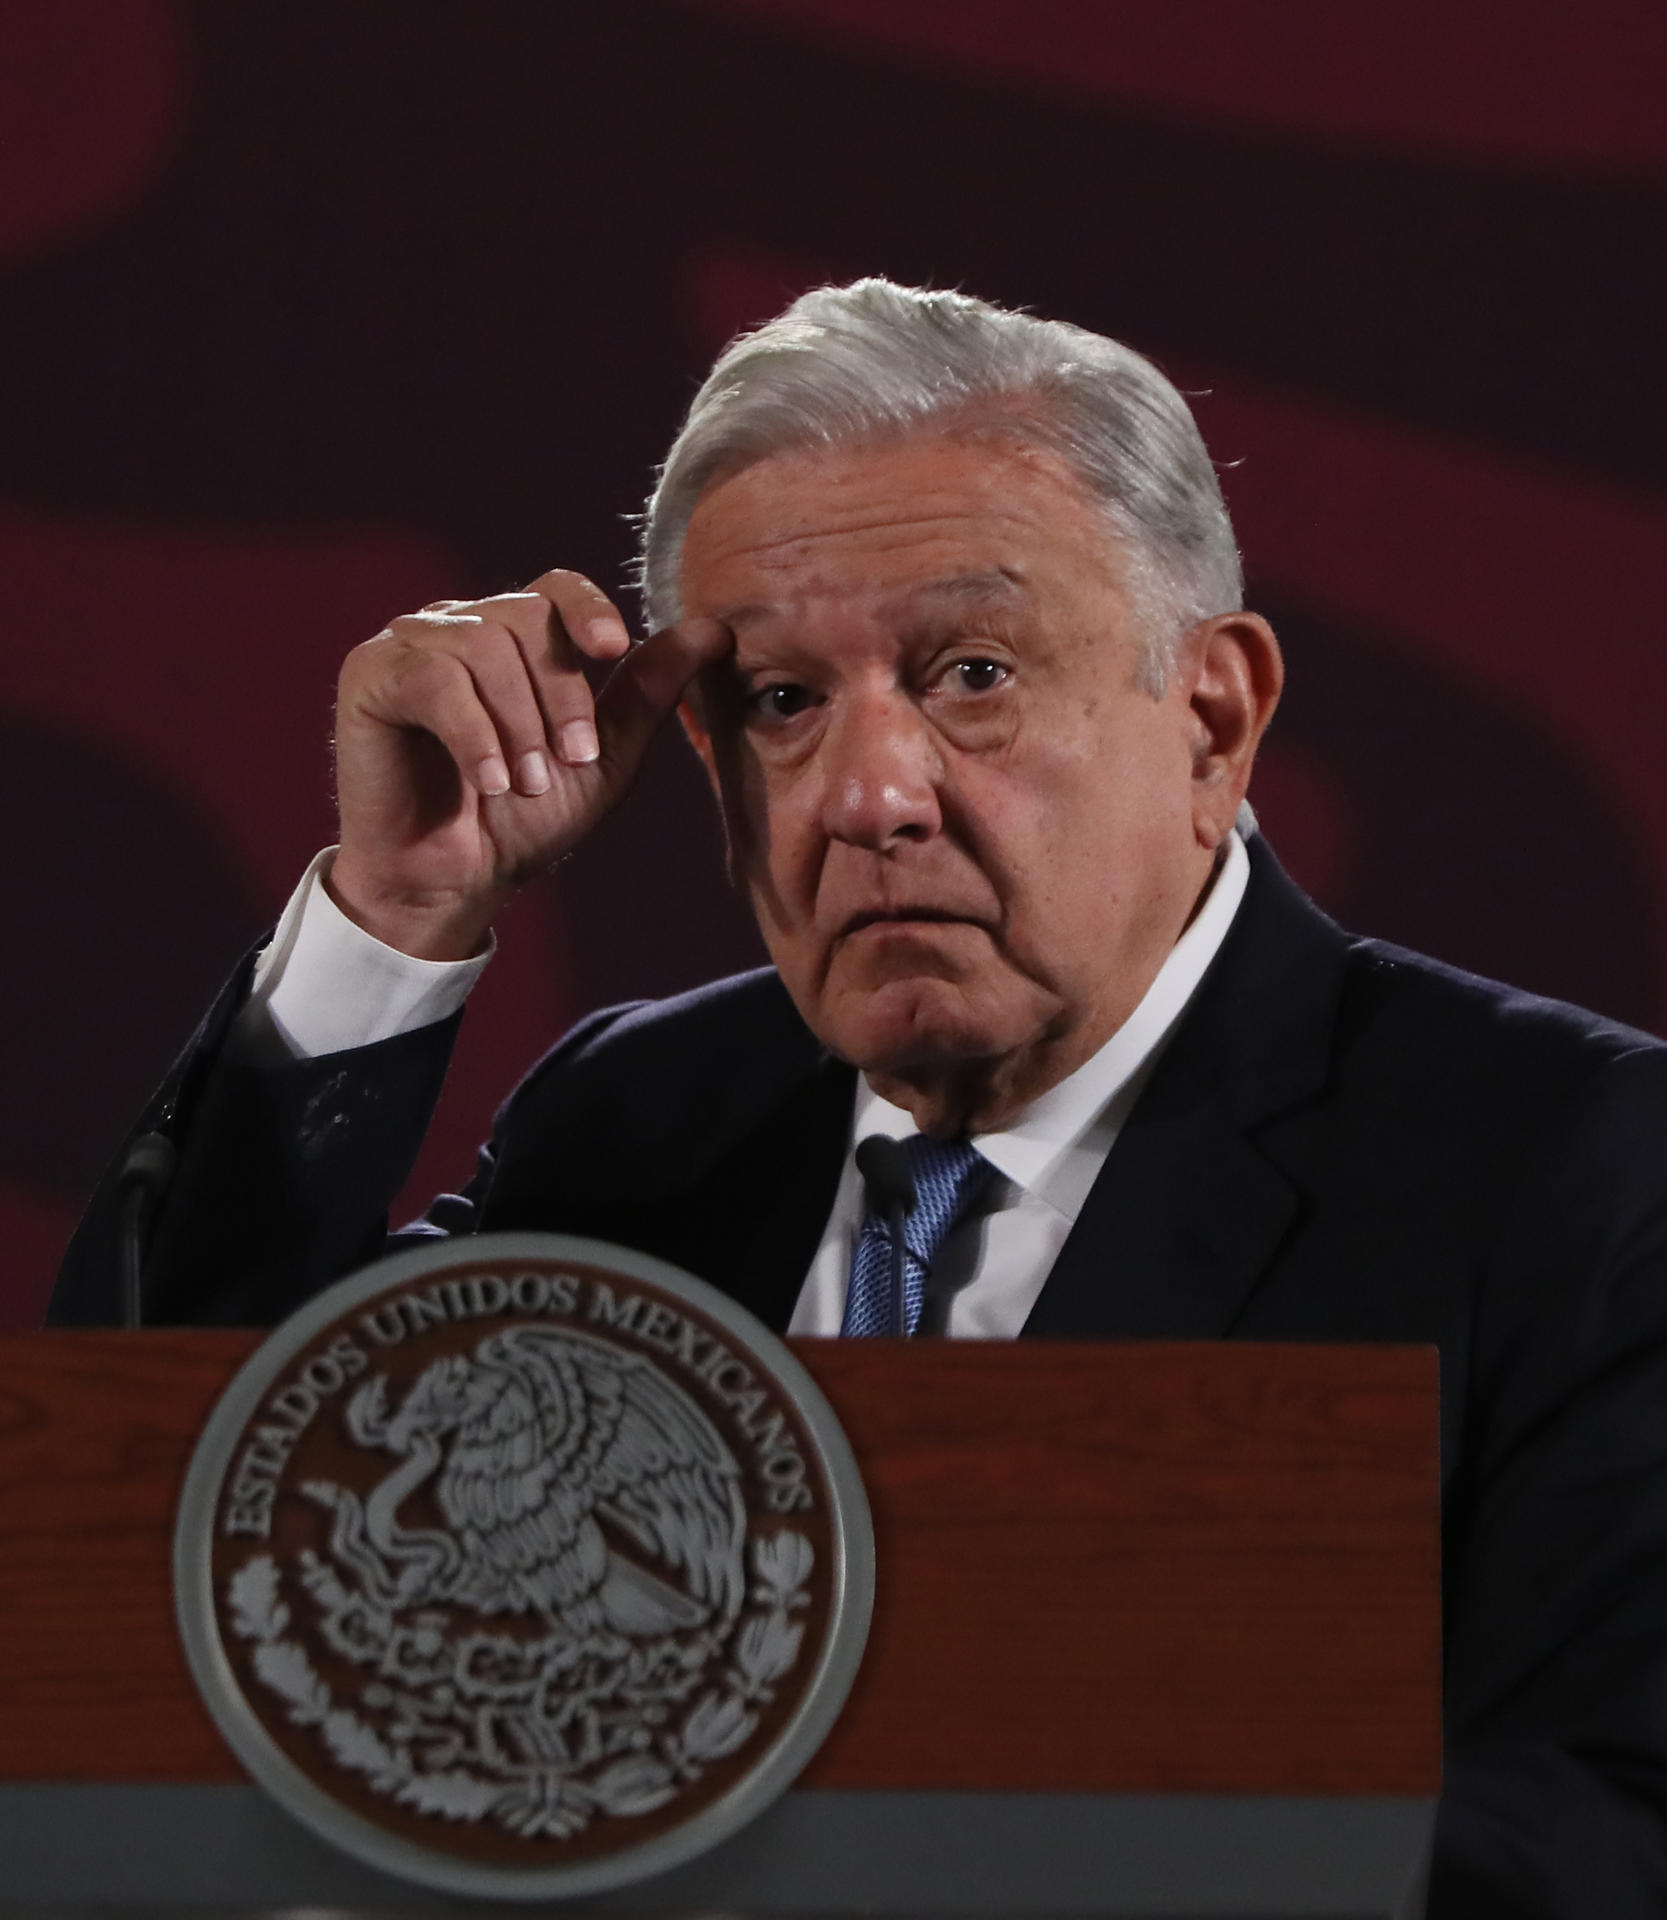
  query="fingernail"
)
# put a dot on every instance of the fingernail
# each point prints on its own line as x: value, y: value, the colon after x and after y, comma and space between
x: 578, y: 742
x: 609, y: 633
x: 492, y: 776
x: 532, y: 773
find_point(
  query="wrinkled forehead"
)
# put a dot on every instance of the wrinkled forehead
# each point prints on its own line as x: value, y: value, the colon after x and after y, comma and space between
x: 985, y: 591
x: 939, y: 521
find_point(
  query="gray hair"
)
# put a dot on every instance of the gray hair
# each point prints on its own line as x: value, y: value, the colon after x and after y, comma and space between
x: 876, y: 361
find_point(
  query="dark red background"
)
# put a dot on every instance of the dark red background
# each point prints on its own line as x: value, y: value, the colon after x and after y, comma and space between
x: 311, y: 312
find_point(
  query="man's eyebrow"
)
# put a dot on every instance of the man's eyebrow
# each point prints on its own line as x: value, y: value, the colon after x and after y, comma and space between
x: 738, y: 616
x: 992, y: 583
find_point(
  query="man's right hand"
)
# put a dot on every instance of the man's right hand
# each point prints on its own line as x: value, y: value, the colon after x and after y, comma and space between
x: 470, y: 755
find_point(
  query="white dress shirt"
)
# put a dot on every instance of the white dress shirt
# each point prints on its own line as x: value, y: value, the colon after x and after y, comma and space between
x: 324, y: 985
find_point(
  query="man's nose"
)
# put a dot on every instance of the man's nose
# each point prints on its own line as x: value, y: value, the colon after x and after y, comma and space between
x: 882, y: 771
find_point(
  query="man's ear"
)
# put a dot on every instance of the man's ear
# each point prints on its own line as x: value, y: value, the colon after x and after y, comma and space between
x: 1233, y: 673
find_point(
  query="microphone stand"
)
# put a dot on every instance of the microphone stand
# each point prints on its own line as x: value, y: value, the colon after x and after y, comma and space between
x: 140, y: 1185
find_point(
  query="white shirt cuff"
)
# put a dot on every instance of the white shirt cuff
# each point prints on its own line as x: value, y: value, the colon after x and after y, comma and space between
x: 324, y: 984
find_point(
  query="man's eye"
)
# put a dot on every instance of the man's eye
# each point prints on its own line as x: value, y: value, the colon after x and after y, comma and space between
x: 781, y: 700
x: 975, y: 676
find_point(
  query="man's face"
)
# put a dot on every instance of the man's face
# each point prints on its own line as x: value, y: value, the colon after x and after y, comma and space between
x: 969, y: 835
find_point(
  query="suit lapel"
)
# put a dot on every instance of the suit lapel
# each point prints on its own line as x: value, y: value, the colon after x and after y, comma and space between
x: 754, y: 1221
x: 710, y: 1133
x: 1189, y: 1210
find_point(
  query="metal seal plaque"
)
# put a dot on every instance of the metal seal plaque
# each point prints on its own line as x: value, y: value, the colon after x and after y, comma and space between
x: 523, y: 1565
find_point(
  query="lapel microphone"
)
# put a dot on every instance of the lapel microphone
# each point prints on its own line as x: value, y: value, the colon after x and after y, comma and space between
x: 890, y: 1187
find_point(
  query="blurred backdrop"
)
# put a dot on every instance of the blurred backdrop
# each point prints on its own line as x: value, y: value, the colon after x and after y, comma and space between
x: 314, y: 310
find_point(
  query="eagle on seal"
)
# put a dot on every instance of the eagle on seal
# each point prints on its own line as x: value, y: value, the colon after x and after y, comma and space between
x: 539, y: 1438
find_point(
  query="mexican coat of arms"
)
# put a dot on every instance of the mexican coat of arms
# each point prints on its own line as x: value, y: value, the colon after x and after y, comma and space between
x: 531, y: 1562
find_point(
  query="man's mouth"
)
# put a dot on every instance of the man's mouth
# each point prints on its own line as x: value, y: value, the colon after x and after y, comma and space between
x: 905, y: 916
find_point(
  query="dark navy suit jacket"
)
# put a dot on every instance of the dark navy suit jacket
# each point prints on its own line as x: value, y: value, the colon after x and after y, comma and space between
x: 1342, y: 1142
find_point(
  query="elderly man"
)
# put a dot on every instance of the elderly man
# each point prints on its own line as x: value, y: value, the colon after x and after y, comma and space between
x: 949, y: 606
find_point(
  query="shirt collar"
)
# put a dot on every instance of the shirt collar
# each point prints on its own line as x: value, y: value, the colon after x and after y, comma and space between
x: 1056, y: 1147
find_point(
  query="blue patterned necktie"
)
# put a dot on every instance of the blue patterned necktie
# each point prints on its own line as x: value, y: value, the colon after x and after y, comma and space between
x: 949, y: 1175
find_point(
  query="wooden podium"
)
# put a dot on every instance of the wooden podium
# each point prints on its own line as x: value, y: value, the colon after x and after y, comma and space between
x: 1157, y: 1632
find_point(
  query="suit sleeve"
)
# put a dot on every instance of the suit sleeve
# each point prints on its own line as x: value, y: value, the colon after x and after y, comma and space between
x: 286, y: 1172
x: 284, y: 1178
x: 1555, y: 1800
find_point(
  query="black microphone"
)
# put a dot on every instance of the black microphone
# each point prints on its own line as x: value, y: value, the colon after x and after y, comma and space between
x: 140, y: 1185
x: 890, y: 1185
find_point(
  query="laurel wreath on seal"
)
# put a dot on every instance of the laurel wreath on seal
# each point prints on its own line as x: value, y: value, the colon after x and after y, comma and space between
x: 471, y: 1727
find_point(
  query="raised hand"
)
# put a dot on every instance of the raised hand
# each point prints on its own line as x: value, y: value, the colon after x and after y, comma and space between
x: 470, y: 754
